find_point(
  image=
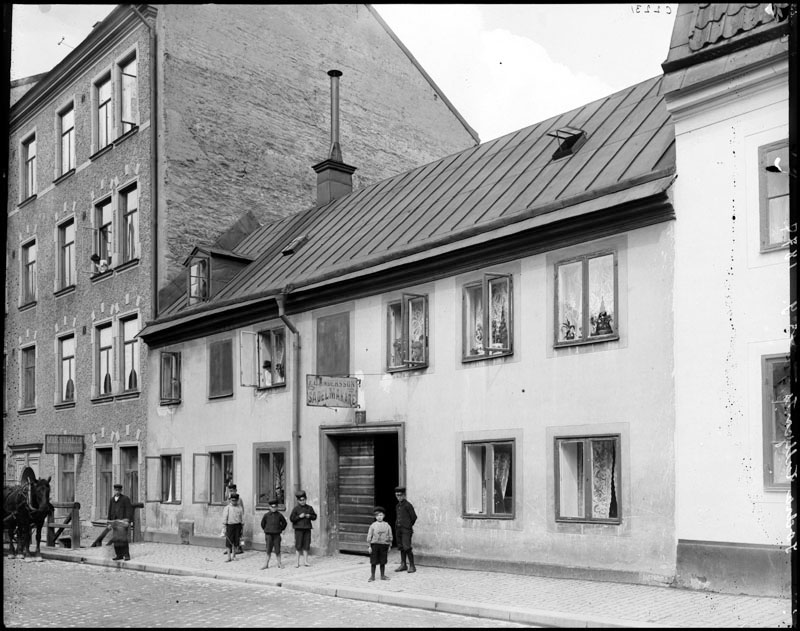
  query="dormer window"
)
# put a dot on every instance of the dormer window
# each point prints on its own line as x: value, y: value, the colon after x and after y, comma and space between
x: 570, y: 139
x: 199, y: 281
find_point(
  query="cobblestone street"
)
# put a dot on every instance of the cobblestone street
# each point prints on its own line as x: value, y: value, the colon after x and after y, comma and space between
x: 55, y: 594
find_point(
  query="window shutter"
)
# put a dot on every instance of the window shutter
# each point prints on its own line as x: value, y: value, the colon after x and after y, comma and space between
x: 200, y: 479
x: 498, y: 336
x: 152, y: 479
x: 248, y: 359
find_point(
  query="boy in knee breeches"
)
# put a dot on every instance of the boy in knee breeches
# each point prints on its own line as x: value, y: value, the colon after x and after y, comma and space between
x: 379, y: 538
x: 273, y: 524
x: 404, y: 528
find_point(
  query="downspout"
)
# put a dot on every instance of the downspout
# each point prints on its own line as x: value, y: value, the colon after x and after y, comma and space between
x: 280, y: 300
x: 153, y: 165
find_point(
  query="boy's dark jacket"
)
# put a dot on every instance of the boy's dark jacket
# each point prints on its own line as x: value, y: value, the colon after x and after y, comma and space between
x: 273, y: 523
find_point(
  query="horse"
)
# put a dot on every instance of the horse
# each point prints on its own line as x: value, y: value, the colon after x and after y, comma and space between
x: 24, y: 506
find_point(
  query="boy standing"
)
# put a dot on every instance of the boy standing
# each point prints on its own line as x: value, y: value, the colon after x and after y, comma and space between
x: 273, y: 524
x: 379, y: 538
x: 230, y: 490
x: 404, y: 526
x: 301, y: 517
x: 232, y: 519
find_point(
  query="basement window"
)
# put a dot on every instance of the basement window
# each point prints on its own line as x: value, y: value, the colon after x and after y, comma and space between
x: 570, y: 139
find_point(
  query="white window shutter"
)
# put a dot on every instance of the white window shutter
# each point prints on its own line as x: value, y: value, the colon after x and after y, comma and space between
x: 152, y: 479
x: 248, y: 358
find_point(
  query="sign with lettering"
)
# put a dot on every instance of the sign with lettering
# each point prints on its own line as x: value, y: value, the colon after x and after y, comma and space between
x: 63, y: 443
x: 332, y: 392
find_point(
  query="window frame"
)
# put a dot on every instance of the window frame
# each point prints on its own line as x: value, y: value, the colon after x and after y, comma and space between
x: 586, y: 477
x: 129, y: 247
x: 71, y: 360
x: 67, y: 153
x: 128, y: 342
x: 67, y: 268
x: 485, y: 285
x: 27, y: 373
x: 586, y: 337
x: 28, y: 167
x: 29, y: 291
x: 173, y: 479
x: 768, y: 420
x: 262, y: 499
x: 104, y: 231
x: 66, y: 476
x: 170, y: 369
x: 219, y: 391
x: 403, y: 346
x: 764, y: 177
x: 104, y: 478
x: 104, y: 352
x: 103, y: 111
x: 203, y: 280
x: 218, y: 475
x: 134, y: 101
x: 488, y: 480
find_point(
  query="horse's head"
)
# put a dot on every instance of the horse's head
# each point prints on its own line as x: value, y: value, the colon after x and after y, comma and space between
x: 39, y: 495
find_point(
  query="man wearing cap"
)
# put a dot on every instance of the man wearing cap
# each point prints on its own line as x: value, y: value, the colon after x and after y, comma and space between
x: 301, y: 517
x: 120, y: 509
x: 404, y: 528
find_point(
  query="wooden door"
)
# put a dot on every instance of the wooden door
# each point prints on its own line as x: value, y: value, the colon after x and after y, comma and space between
x: 356, y: 494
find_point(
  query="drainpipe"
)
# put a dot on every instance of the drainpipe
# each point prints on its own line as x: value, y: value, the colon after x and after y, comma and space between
x: 280, y: 299
x: 153, y: 164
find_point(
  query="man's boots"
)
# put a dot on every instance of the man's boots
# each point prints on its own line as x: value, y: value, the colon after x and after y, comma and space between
x: 411, y: 567
x: 403, y: 567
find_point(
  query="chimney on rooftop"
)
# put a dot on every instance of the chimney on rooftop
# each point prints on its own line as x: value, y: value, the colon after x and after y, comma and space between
x: 334, y: 177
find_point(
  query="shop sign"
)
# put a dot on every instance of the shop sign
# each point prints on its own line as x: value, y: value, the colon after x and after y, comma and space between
x: 332, y: 392
x: 63, y: 443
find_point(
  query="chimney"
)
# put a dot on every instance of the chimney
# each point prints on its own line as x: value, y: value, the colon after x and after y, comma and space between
x: 334, y: 177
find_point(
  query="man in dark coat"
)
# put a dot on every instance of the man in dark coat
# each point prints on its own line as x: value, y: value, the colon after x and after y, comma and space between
x: 120, y: 509
x: 404, y: 528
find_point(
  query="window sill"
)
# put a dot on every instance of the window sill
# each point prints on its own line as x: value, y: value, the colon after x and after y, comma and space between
x: 589, y: 522
x: 272, y: 387
x: 27, y: 305
x: 65, y: 405
x: 63, y: 177
x: 477, y: 358
x: 126, y: 265
x: 766, y: 249
x: 126, y: 135
x: 106, y: 398
x: 596, y: 340
x: 404, y: 369
x: 775, y: 488
x: 485, y: 517
x: 170, y: 402
x: 98, y: 276
x: 26, y: 201
x: 217, y: 397
x: 172, y: 503
x: 127, y: 395
x: 281, y: 507
x: 25, y: 411
x: 101, y: 151
x: 69, y: 289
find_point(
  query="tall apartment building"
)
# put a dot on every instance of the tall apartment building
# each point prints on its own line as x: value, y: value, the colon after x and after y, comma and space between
x: 172, y: 126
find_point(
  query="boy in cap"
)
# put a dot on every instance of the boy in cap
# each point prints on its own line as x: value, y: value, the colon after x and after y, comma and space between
x: 273, y: 524
x: 301, y: 517
x: 379, y: 538
x: 120, y: 509
x: 230, y: 490
x: 232, y: 518
x: 404, y: 527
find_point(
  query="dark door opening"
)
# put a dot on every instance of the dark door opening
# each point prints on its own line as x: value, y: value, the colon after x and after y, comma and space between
x: 386, y: 476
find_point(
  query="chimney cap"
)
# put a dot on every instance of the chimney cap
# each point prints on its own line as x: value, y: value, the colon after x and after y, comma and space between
x: 334, y: 73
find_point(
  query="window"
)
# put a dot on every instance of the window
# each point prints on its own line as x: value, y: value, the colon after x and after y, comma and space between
x: 488, y: 331
x: 271, y: 476
x: 198, y: 281
x: 67, y: 368
x: 221, y: 475
x: 489, y: 479
x: 28, y: 258
x: 586, y: 299
x: 103, y: 481
x: 66, y: 477
x: 104, y: 359
x: 171, y: 481
x: 104, y: 122
x: 129, y: 103
x: 777, y: 426
x: 170, y: 378
x: 587, y: 479
x: 407, y: 327
x: 67, y: 123
x: 29, y: 167
x: 130, y: 354
x: 129, y: 205
x: 272, y: 358
x: 129, y: 467
x: 66, y: 258
x: 220, y: 369
x: 774, y: 195
x: 28, y: 377
x: 333, y: 345
x: 104, y: 219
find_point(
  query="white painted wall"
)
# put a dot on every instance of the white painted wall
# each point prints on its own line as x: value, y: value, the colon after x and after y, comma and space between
x: 730, y: 309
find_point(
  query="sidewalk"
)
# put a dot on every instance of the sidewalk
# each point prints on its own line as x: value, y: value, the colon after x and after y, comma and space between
x: 492, y: 595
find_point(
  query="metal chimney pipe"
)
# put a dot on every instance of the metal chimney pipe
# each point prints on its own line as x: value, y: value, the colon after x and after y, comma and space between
x: 336, y: 151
